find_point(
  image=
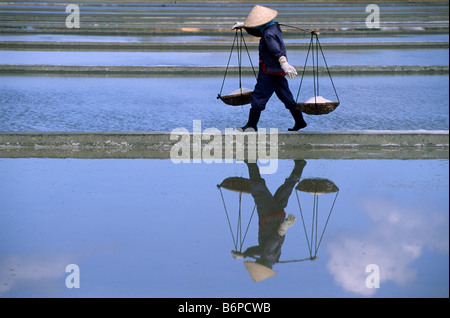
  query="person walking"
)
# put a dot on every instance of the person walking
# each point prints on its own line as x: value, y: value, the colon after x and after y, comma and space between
x: 273, y: 67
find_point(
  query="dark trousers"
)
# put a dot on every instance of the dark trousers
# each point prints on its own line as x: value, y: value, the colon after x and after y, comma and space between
x: 266, y: 85
x: 266, y: 203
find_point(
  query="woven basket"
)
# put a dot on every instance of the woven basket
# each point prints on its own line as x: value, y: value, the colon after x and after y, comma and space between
x: 237, y: 99
x: 317, y: 108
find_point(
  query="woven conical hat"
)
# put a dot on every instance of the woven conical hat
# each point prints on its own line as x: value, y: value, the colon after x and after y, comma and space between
x: 259, y: 272
x: 258, y: 16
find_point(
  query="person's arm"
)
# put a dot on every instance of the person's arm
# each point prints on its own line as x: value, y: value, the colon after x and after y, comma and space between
x: 275, y: 49
x: 273, y: 45
x: 252, y: 31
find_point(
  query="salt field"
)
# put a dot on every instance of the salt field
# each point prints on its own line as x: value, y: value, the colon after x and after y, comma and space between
x: 202, y: 39
x: 36, y: 103
x: 93, y: 204
x: 334, y: 57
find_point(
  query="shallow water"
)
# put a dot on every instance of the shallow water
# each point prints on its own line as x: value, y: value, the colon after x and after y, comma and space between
x: 219, y: 38
x: 151, y: 228
x: 36, y: 103
x: 219, y: 8
x: 333, y: 57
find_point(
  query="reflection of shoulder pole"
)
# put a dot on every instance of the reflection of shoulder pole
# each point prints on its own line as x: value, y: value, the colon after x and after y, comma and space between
x: 312, y: 258
x: 301, y: 29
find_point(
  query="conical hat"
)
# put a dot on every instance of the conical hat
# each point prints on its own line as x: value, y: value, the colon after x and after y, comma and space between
x: 258, y: 16
x: 259, y: 272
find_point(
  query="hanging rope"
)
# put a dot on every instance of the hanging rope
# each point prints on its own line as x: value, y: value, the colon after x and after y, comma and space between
x: 328, y: 70
x: 228, y: 218
x: 239, y: 229
x: 314, y: 72
x: 314, y: 225
x: 326, y: 223
x: 304, y: 227
x: 240, y: 43
x: 248, y: 226
x: 304, y: 67
x: 248, y: 54
x: 229, y: 58
x: 239, y: 56
x: 238, y: 239
x: 314, y: 47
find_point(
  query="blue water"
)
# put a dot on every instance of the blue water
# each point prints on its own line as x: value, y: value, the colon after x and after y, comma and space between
x: 117, y: 6
x: 47, y: 103
x: 333, y: 57
x: 203, y: 39
x: 221, y: 9
x: 151, y: 228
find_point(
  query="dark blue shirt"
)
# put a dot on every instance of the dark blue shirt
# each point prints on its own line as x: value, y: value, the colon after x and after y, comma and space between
x: 271, y: 47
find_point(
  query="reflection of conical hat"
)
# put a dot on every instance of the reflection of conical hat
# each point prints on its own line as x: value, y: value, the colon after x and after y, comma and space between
x: 317, y: 186
x: 258, y: 16
x: 237, y: 184
x: 259, y: 272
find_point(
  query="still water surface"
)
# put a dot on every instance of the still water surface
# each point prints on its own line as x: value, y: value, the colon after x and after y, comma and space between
x: 218, y: 38
x: 152, y: 228
x: 47, y: 103
x: 334, y: 57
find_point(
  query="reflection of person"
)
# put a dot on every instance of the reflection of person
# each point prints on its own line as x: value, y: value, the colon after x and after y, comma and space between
x: 273, y: 66
x: 271, y: 219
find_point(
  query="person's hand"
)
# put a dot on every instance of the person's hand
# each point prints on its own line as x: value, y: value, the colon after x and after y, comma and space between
x: 287, y: 68
x: 287, y: 223
x: 237, y: 25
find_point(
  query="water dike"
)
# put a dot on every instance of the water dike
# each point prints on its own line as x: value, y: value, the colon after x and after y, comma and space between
x: 159, y: 145
x: 209, y: 71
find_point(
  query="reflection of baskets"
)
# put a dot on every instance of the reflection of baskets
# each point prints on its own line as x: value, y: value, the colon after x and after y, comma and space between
x: 317, y: 186
x: 237, y: 99
x: 316, y: 105
x: 241, y: 96
x: 317, y: 108
x: 236, y: 184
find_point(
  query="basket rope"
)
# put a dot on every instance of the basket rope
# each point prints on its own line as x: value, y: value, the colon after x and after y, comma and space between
x: 314, y: 48
x: 240, y: 43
